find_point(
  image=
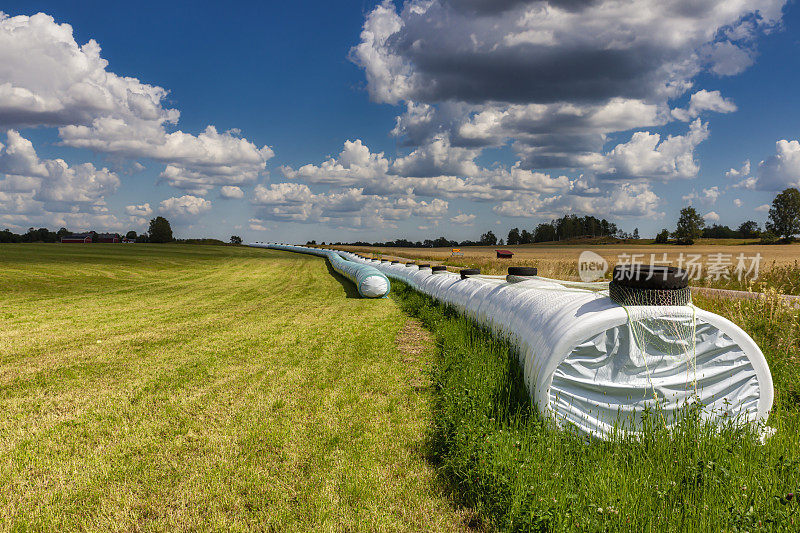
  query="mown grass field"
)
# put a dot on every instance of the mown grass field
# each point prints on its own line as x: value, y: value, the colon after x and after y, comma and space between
x: 161, y: 387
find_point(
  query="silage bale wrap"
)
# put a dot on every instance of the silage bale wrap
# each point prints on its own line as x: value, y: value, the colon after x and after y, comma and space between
x: 371, y: 283
x: 595, y: 365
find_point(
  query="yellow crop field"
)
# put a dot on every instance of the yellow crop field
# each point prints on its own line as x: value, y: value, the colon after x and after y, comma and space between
x: 779, y: 265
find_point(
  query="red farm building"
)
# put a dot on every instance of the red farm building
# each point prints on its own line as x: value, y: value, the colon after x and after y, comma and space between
x: 77, y: 238
x: 504, y: 254
x: 107, y: 237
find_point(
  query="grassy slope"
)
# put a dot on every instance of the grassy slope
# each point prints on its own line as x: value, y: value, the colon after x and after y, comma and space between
x: 176, y: 387
x: 524, y: 476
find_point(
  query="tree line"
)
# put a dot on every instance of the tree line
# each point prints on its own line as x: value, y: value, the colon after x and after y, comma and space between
x: 566, y: 227
x: 781, y: 227
x: 159, y: 231
x: 782, y: 224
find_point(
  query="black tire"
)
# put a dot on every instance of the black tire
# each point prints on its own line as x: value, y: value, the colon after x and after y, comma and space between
x: 659, y: 277
x: 395, y: 262
x: 410, y: 263
x: 439, y: 268
x: 423, y: 265
x: 630, y: 296
x: 469, y: 272
x: 523, y: 271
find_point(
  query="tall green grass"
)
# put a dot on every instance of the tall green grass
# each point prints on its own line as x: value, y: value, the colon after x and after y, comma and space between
x: 521, y: 474
x: 781, y: 278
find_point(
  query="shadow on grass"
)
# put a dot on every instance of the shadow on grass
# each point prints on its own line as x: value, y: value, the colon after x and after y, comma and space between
x: 465, y: 351
x: 350, y: 289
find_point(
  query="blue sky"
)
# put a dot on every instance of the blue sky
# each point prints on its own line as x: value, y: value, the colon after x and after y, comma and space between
x: 459, y: 115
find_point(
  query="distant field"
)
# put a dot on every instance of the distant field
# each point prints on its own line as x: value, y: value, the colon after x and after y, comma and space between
x: 779, y: 266
x: 160, y: 387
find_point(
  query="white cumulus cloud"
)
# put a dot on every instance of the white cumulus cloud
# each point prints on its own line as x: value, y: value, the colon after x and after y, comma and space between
x: 649, y: 156
x: 782, y: 169
x: 703, y: 101
x: 230, y: 191
x: 34, y: 186
x: 48, y: 79
x: 463, y: 219
x: 143, y: 210
x: 186, y: 206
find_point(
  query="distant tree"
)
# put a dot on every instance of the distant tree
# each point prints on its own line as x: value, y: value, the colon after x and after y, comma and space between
x: 488, y: 239
x: 690, y: 226
x: 513, y: 236
x: 235, y: 239
x: 30, y: 235
x: 525, y: 237
x: 63, y: 232
x: 160, y: 230
x: 544, y: 233
x: 662, y: 237
x: 635, y: 233
x: 768, y: 237
x: 784, y: 215
x: 500, y: 242
x: 131, y: 235
x: 7, y: 236
x: 716, y: 231
x: 45, y: 235
x: 442, y: 242
x: 749, y: 229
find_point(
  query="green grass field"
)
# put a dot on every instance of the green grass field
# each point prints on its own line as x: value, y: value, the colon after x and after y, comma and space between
x: 158, y: 387
x: 176, y: 387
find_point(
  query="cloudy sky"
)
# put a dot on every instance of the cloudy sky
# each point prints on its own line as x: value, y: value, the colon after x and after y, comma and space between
x: 377, y: 120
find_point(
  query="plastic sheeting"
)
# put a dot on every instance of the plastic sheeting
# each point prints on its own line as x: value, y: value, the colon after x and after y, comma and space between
x: 371, y: 283
x: 595, y: 365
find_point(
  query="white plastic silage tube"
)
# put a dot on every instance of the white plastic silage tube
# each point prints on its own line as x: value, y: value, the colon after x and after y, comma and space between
x: 591, y: 363
x: 371, y: 283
